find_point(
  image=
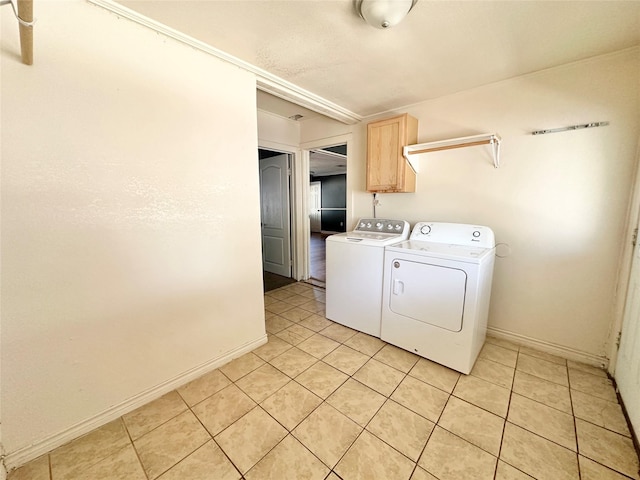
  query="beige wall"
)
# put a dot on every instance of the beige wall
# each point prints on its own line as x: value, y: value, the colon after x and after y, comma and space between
x: 277, y: 132
x: 130, y: 209
x: 130, y: 220
x: 559, y: 200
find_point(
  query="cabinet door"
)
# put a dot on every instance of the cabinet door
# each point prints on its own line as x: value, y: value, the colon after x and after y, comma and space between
x: 387, y: 169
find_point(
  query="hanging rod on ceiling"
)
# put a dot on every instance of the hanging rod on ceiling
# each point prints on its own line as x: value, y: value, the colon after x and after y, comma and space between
x: 492, y: 139
x: 572, y: 127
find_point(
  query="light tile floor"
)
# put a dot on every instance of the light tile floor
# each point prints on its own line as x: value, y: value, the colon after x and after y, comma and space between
x: 321, y: 401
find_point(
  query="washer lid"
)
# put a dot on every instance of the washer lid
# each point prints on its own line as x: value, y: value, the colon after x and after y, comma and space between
x: 374, y: 231
x: 366, y: 238
x: 447, y: 251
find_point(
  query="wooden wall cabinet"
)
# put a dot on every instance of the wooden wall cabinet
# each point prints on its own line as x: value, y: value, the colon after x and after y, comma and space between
x: 387, y: 170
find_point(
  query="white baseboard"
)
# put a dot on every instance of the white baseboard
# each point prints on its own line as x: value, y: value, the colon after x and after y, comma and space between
x: 26, y: 454
x: 559, y: 350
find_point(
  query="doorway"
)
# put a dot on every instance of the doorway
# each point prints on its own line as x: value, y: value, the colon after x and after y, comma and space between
x: 275, y: 218
x: 327, y: 204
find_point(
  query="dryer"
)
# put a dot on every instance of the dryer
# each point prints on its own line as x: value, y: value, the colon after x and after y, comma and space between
x: 437, y: 288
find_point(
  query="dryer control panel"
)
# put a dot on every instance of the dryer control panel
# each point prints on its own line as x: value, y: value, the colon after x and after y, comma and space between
x: 379, y: 225
x: 454, y: 234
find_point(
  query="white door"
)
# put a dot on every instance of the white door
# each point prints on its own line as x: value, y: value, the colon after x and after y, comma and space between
x: 627, y: 373
x: 274, y: 215
x: 315, y: 204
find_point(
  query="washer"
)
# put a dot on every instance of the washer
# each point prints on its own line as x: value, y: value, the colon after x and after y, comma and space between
x: 437, y: 287
x: 355, y: 262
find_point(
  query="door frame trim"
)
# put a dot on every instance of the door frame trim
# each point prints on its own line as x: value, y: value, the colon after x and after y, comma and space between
x: 301, y: 179
x: 299, y: 195
x: 283, y: 167
x: 294, y: 159
x: 624, y: 269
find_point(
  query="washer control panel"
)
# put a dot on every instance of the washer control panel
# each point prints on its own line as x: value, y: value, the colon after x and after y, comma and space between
x: 378, y: 225
x: 454, y: 234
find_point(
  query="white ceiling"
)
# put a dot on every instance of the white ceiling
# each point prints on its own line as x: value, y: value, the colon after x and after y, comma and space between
x: 442, y: 47
x: 322, y: 163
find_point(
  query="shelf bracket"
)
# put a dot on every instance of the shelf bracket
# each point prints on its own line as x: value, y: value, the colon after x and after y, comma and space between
x: 495, y: 146
x: 492, y: 139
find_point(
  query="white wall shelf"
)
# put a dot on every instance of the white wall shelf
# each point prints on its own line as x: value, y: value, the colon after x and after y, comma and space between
x: 492, y: 139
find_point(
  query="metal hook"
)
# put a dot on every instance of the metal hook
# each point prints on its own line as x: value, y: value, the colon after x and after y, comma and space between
x: 15, y: 12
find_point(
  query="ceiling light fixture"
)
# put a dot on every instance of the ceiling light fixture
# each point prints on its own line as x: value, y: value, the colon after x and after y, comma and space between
x: 384, y: 13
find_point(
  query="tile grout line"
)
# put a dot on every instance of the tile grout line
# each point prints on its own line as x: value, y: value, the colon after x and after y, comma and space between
x: 575, y: 426
x: 100, y: 459
x: 324, y: 400
x: 190, y: 453
x: 587, y: 421
x: 290, y: 432
x: 407, y: 374
x: 539, y: 435
x: 387, y: 398
x: 435, y: 424
x: 574, y: 421
x: 206, y: 429
x: 126, y: 429
x: 570, y: 389
x: 355, y: 380
x: 504, y: 426
x: 526, y: 429
x: 257, y: 405
x: 377, y: 411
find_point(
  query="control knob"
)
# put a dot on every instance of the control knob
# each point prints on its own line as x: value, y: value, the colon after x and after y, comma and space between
x: 476, y: 233
x: 389, y: 227
x: 379, y: 225
x: 425, y: 229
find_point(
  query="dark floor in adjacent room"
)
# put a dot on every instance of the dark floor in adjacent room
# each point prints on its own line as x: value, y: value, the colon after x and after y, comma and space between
x: 317, y: 257
x: 271, y: 281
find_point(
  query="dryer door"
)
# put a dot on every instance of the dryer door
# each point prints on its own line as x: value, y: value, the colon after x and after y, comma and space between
x: 428, y: 293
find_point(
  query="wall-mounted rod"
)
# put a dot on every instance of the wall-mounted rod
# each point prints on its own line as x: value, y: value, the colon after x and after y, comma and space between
x: 573, y: 127
x: 492, y: 139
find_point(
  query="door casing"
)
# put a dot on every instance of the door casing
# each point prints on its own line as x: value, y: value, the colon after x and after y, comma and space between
x: 299, y: 195
x: 275, y: 215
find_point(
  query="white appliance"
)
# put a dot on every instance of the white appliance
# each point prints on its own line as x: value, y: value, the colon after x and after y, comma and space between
x: 354, y: 265
x: 437, y: 287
